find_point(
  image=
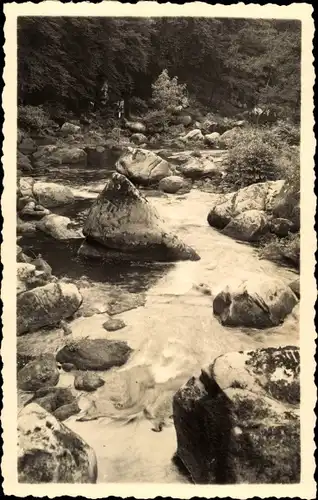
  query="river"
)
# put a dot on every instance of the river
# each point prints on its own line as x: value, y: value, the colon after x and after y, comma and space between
x: 173, y: 334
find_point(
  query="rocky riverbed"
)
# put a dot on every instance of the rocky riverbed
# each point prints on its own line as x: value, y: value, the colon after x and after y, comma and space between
x: 166, y: 321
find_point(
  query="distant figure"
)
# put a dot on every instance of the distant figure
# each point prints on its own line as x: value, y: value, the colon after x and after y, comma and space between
x: 120, y: 108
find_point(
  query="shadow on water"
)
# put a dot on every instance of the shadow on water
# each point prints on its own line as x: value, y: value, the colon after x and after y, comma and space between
x: 62, y: 257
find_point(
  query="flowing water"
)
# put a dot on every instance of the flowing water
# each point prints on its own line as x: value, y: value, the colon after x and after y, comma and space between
x: 172, y: 335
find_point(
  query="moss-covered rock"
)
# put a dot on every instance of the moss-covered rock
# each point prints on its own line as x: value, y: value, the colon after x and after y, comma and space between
x: 238, y: 422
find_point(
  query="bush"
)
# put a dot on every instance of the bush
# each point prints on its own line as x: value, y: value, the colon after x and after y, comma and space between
x: 138, y: 106
x: 157, y: 121
x: 252, y: 162
x: 33, y: 118
x: 168, y: 93
x: 282, y: 250
x: 260, y: 154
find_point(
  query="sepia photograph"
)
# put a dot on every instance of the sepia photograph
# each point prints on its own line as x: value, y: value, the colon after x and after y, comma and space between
x: 155, y: 251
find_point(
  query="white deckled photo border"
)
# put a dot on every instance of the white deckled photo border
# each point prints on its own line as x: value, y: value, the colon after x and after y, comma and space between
x: 306, y: 488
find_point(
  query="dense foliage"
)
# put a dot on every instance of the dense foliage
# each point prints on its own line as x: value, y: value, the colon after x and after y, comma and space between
x: 228, y: 65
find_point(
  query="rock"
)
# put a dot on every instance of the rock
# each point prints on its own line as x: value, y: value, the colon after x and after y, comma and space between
x: 260, y: 196
x: 142, y: 166
x: 209, y: 126
x: 194, y: 135
x: 138, y: 138
x: 258, y: 302
x: 23, y: 162
x: 42, y: 372
x: 42, y: 265
x: 124, y: 301
x: 185, y: 120
x: 295, y: 286
x: 51, y: 195
x: 58, y: 226
x: 287, y: 205
x: 247, y: 226
x: 25, y: 274
x: 68, y: 367
x: 25, y: 187
x: 52, y: 398
x: 88, y: 382
x: 291, y: 250
x: 124, y: 222
x: 66, y: 411
x: 49, y: 452
x: 114, y: 324
x: 52, y: 155
x: 25, y: 227
x: 172, y: 184
x: 197, y: 167
x: 281, y: 227
x: 21, y: 257
x: 135, y: 126
x: 212, y: 139
x: 46, y: 305
x: 238, y: 422
x: 70, y: 128
x: 229, y: 137
x: 94, y: 354
x: 27, y: 146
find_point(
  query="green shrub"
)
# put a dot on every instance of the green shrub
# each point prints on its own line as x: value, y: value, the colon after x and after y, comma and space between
x: 33, y: 118
x: 158, y: 120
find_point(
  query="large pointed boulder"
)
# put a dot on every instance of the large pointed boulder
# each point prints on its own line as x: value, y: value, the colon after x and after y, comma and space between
x: 123, y: 222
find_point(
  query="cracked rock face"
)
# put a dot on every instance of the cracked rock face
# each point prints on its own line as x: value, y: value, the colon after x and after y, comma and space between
x: 122, y: 223
x: 238, y: 422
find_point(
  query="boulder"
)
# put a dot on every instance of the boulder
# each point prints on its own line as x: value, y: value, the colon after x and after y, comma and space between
x: 27, y: 146
x: 287, y: 204
x: 46, y: 305
x: 57, y: 400
x: 229, y: 137
x: 34, y: 211
x: 247, y: 226
x: 281, y: 227
x: 113, y: 324
x: 25, y: 187
x: 25, y: 227
x: 49, y: 452
x: 193, y: 136
x: 172, y: 184
x: 135, y: 127
x: 51, y: 195
x: 58, y: 227
x: 238, y: 422
x: 138, y: 138
x: 185, y: 120
x: 260, y: 196
x: 124, y: 222
x: 52, y: 155
x: 88, y: 382
x: 39, y: 373
x: 295, y: 286
x: 197, y: 167
x: 94, y: 354
x: 209, y: 126
x: 23, y: 162
x: 69, y: 128
x: 142, y: 166
x: 21, y: 257
x: 97, y: 156
x: 25, y: 274
x: 258, y: 302
x: 212, y: 139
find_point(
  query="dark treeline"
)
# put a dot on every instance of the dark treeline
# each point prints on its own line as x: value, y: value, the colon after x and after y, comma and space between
x: 227, y: 64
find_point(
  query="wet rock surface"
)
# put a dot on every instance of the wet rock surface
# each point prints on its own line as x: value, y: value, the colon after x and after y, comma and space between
x: 238, y: 422
x: 87, y: 382
x: 114, y: 324
x: 42, y: 372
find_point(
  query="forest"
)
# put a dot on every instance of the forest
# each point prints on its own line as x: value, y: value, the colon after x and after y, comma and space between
x: 227, y: 65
